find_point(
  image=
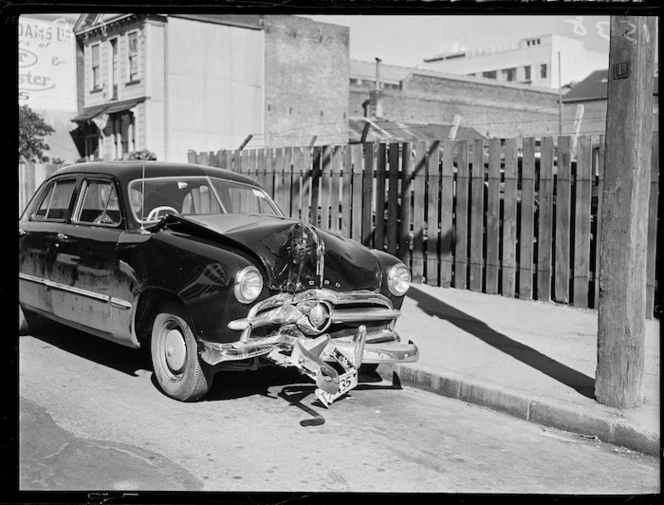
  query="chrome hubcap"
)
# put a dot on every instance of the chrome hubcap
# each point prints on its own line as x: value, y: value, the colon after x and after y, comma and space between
x: 176, y: 350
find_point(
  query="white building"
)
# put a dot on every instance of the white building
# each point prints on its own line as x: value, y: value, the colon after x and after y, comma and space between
x: 534, y: 60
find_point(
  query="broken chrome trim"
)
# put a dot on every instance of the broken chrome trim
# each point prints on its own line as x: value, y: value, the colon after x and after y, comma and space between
x: 285, y: 308
x: 371, y: 353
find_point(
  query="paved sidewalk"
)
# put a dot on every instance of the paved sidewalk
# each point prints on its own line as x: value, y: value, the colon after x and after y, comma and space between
x: 534, y: 360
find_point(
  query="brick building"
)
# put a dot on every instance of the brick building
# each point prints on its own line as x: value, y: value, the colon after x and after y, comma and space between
x: 493, y: 108
x: 205, y: 82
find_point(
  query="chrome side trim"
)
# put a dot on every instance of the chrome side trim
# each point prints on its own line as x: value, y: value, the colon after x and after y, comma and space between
x: 118, y: 302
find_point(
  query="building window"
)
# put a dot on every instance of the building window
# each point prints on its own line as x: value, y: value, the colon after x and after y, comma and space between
x: 132, y: 39
x: 123, y: 135
x: 489, y: 75
x: 509, y: 74
x: 543, y: 70
x: 114, y: 69
x: 96, y: 74
x: 527, y: 72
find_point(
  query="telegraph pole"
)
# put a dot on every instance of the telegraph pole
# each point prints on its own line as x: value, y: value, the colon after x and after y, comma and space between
x: 622, y: 249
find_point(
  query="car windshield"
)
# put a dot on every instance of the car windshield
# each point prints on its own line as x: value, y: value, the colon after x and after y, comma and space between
x: 152, y: 198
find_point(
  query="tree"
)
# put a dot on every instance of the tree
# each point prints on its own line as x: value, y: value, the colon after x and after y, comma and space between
x: 31, y: 132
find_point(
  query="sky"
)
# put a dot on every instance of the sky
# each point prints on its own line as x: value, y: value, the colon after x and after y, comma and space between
x: 407, y: 40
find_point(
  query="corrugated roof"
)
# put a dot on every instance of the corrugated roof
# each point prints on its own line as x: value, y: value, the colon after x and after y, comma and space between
x: 594, y: 87
x: 384, y: 130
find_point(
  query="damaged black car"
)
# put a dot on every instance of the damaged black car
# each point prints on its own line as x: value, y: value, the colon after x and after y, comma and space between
x: 199, y: 265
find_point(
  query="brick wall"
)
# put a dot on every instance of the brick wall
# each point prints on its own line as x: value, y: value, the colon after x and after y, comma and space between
x: 306, y: 81
x: 492, y: 109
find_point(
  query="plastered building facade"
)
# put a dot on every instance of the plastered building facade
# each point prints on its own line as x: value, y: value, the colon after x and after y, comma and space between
x: 206, y: 82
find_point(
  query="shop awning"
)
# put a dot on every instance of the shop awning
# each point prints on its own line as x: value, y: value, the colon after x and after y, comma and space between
x: 89, y: 113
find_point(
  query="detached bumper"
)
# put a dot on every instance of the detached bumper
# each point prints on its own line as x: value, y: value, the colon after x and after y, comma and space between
x: 312, y: 357
x: 372, y: 353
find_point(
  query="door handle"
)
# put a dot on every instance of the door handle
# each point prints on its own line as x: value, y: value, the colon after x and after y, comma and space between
x: 21, y: 232
x: 62, y: 236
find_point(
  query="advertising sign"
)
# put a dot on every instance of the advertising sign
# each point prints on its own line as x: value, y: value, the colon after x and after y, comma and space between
x: 47, y: 64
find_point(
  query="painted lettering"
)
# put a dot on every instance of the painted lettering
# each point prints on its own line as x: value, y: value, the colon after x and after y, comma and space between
x: 26, y: 58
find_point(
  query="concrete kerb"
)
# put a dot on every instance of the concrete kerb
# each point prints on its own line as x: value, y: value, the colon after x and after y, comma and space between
x: 544, y: 411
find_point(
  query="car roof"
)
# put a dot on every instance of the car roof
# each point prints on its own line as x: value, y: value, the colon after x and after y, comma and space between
x: 127, y: 171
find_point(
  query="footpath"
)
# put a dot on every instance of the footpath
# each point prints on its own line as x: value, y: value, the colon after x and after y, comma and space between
x: 533, y: 360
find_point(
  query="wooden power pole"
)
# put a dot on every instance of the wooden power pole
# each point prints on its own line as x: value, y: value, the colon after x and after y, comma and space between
x: 624, y: 227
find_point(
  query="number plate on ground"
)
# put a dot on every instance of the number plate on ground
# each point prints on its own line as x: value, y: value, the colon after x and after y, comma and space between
x: 347, y: 381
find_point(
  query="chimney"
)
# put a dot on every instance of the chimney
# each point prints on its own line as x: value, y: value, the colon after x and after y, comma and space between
x: 376, y: 96
x: 378, y: 60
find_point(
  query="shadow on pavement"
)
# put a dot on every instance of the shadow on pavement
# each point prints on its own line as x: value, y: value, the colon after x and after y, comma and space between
x: 95, y: 349
x: 580, y: 382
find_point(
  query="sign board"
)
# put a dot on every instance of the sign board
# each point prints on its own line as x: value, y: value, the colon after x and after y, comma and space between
x: 47, y: 64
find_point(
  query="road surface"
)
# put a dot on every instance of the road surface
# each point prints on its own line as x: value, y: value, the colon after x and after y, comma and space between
x: 92, y: 418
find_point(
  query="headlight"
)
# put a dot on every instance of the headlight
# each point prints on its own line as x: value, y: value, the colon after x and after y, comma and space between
x: 398, y: 279
x: 248, y: 284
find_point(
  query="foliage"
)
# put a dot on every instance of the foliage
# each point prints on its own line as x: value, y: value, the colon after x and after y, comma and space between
x: 31, y: 132
x: 144, y: 154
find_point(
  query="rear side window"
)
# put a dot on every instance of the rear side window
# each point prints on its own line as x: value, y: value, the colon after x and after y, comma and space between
x: 56, y: 200
x: 99, y: 204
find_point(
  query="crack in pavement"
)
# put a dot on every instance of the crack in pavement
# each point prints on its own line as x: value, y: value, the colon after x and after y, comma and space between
x: 51, y: 458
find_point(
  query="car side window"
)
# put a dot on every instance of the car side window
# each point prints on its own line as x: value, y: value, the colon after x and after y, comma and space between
x: 55, y: 203
x: 99, y: 204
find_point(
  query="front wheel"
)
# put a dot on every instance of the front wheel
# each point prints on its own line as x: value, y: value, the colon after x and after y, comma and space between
x: 178, y: 369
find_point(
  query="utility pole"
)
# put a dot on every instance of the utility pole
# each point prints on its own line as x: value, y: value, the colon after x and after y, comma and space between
x: 622, y: 250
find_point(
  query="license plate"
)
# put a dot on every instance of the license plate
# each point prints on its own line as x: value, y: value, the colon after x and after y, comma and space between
x: 347, y: 381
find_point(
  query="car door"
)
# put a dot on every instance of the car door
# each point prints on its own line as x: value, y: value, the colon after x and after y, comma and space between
x: 84, y: 266
x: 39, y: 228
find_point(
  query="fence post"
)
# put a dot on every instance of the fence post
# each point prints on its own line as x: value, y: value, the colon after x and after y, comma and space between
x: 419, y: 195
x: 493, y: 218
x: 406, y: 203
x: 461, y: 227
x: 527, y: 235
x: 509, y: 219
x: 477, y: 217
x: 433, y: 207
x: 582, y: 222
x: 563, y: 190
x: 446, y: 215
x: 545, y: 222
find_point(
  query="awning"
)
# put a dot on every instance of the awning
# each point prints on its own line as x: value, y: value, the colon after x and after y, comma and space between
x: 108, y: 108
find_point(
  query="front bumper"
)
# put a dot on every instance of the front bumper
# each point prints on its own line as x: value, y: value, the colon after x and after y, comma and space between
x: 301, y: 339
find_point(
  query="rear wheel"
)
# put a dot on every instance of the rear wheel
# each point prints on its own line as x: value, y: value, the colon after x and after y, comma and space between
x: 177, y: 367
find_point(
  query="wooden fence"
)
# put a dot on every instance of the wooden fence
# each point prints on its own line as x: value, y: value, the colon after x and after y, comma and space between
x: 525, y: 224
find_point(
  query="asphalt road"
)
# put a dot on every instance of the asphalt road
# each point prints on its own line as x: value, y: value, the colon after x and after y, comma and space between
x: 91, y: 418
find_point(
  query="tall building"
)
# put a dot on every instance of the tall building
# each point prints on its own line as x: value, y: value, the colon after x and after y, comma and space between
x: 47, y: 76
x: 534, y: 60
x: 171, y: 83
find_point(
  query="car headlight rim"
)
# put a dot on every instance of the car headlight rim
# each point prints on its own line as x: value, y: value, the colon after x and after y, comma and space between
x: 398, y: 279
x: 248, y: 284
